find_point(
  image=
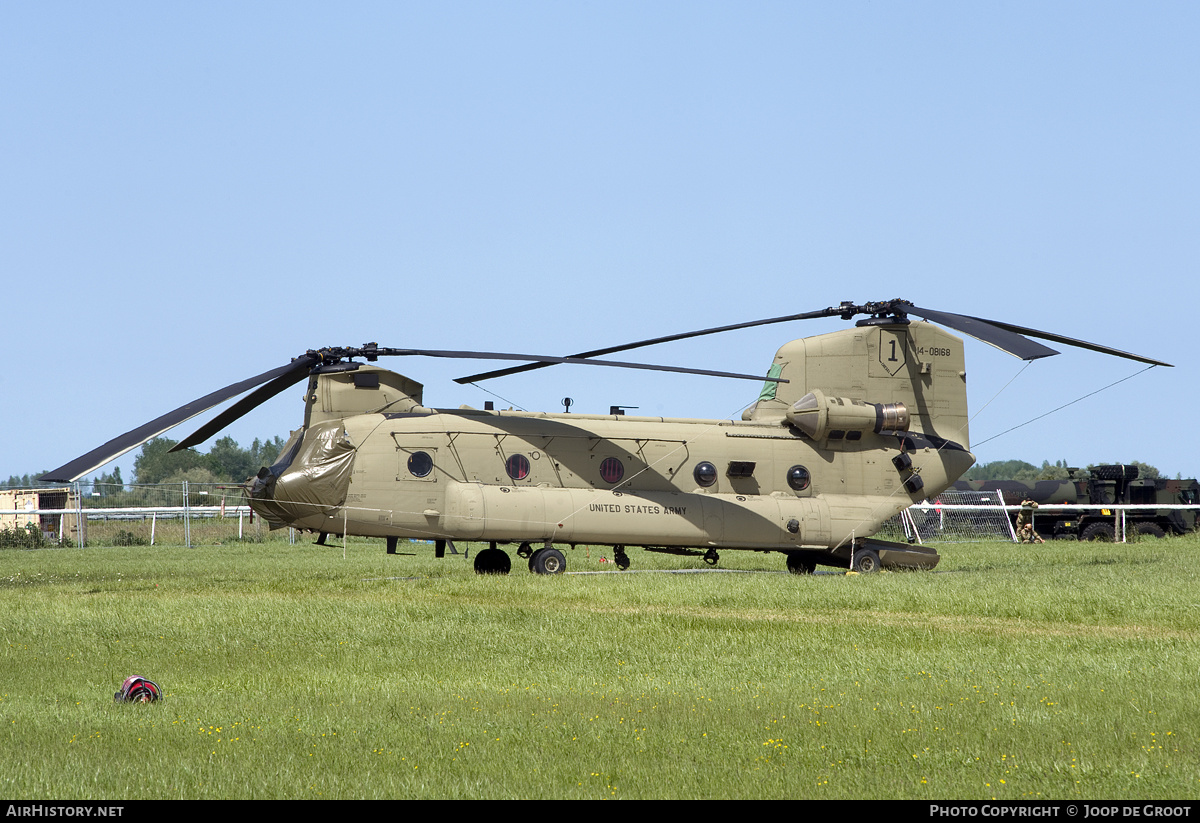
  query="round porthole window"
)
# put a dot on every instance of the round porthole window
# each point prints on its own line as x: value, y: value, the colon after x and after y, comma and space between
x: 612, y: 470
x: 517, y: 467
x: 420, y: 464
x: 705, y: 473
x: 798, y: 478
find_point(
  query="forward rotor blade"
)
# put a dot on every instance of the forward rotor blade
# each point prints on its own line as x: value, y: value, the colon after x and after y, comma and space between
x: 1069, y: 341
x: 118, y: 446
x: 996, y: 334
x: 299, y: 370
x: 653, y: 342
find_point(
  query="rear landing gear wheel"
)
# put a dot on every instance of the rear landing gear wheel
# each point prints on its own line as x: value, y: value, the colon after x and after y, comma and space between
x: 620, y: 558
x: 492, y: 561
x: 547, y: 561
x: 866, y: 561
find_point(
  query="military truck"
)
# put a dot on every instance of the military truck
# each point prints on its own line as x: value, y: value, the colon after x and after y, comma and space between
x: 1103, y: 485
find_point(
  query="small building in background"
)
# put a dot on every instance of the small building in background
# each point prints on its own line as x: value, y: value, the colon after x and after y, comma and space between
x: 20, y: 507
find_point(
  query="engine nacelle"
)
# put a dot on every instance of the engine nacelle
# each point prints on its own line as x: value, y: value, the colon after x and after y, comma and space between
x: 817, y: 415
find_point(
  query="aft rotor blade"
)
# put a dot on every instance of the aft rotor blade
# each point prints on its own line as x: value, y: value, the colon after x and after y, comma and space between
x: 118, y: 446
x: 1069, y: 341
x: 997, y: 334
x: 298, y: 371
x: 652, y: 342
x: 579, y: 361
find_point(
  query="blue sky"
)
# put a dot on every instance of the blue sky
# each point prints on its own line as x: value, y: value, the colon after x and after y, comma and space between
x: 196, y: 193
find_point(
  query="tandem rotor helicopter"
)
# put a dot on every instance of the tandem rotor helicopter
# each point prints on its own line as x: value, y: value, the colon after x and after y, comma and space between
x: 850, y: 428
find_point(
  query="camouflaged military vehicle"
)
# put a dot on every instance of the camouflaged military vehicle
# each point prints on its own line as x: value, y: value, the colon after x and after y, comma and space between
x: 1114, y: 485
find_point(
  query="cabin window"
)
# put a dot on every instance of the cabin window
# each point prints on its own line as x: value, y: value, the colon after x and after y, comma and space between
x: 517, y: 467
x: 705, y: 473
x: 798, y: 478
x: 612, y: 470
x: 420, y: 464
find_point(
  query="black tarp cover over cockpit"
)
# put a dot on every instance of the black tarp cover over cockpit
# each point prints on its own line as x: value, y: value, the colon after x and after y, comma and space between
x: 314, y: 482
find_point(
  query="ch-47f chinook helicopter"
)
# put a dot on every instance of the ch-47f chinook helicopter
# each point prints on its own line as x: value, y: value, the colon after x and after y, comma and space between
x: 851, y: 428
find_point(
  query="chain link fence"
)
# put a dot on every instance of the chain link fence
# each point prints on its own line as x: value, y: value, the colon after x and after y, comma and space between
x: 955, y: 517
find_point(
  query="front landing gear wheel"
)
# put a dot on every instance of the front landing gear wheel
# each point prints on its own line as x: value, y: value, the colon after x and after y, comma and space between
x: 492, y: 561
x: 547, y: 561
x: 866, y: 561
x: 797, y: 565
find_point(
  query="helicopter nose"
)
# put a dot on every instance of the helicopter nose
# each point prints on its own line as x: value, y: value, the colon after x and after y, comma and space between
x: 260, y: 494
x: 312, y: 485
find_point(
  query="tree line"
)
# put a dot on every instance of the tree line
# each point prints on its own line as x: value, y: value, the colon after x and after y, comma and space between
x: 1027, y: 473
x: 225, y: 462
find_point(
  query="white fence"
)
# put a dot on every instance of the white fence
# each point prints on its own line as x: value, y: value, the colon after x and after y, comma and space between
x: 147, y: 525
x: 178, y: 513
x: 206, y: 525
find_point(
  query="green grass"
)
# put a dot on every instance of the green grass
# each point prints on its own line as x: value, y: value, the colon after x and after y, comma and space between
x: 1060, y: 671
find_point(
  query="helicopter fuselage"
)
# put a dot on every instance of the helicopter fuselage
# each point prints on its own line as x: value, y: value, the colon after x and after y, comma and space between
x: 631, y: 480
x: 811, y: 471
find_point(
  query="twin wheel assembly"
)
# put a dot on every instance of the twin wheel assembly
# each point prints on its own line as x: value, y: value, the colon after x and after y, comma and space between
x: 864, y: 561
x: 546, y: 560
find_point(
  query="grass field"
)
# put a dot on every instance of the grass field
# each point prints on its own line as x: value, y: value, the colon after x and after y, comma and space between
x: 1060, y: 671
